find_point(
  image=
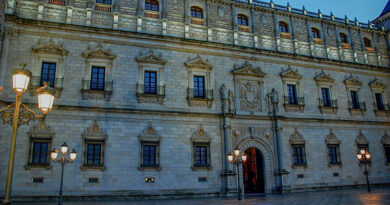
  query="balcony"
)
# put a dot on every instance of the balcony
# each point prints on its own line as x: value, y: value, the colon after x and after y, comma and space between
x: 57, y: 2
x: 246, y: 29
x: 152, y: 14
x: 35, y: 83
x: 317, y: 41
x: 285, y: 35
x: 382, y: 109
x: 103, y: 7
x: 369, y: 50
x: 102, y: 93
x: 329, y: 107
x: 357, y: 107
x: 345, y: 45
x: 205, y: 99
x: 294, y: 104
x: 150, y: 94
x: 197, y: 21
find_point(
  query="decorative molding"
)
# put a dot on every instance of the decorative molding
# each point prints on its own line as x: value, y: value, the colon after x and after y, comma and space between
x: 198, y: 63
x: 41, y: 130
x: 249, y: 96
x: 377, y: 84
x: 200, y: 135
x: 296, y: 138
x: 290, y: 74
x: 50, y: 48
x: 331, y: 138
x: 150, y: 134
x: 385, y: 139
x: 323, y: 78
x: 99, y: 53
x: 352, y: 81
x: 151, y: 58
x: 361, y: 139
x: 94, y: 132
x: 248, y: 69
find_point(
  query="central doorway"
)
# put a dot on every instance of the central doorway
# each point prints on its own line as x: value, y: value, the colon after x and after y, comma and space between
x: 253, y: 172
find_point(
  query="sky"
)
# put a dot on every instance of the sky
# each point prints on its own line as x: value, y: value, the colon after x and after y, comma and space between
x: 363, y: 10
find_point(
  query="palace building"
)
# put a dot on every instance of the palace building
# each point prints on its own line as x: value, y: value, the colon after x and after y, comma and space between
x: 154, y: 94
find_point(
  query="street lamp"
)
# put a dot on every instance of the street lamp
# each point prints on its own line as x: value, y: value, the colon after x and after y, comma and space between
x: 17, y: 114
x: 237, y: 158
x: 63, y: 160
x: 364, y: 157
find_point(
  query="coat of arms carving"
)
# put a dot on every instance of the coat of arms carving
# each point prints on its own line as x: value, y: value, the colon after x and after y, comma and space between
x: 250, y: 96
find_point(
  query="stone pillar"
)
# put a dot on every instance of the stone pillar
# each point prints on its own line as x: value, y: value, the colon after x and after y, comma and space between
x: 164, y: 9
x: 363, y: 47
x: 4, y: 55
x: 352, y: 45
x: 115, y: 16
x: 10, y: 9
x: 310, y: 37
x: 69, y: 14
x: 295, y: 41
x: 339, y: 47
x: 276, y: 31
x: 89, y: 17
x: 40, y: 11
x: 140, y: 7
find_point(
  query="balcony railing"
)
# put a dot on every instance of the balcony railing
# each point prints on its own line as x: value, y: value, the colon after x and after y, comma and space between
x: 107, y: 88
x: 36, y: 82
x: 103, y: 7
x: 197, y: 21
x: 207, y: 94
x: 57, y: 2
x: 357, y: 105
x: 294, y: 101
x: 152, y: 91
x: 382, y: 107
x: 244, y: 28
x: 152, y: 14
x: 329, y: 104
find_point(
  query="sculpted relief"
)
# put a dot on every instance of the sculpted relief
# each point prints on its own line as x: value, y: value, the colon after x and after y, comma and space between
x: 250, y: 96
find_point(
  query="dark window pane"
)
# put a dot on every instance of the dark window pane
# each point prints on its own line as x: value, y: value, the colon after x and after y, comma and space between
x: 379, y: 101
x: 292, y: 94
x: 325, y: 97
x: 48, y: 73
x: 97, y: 78
x: 150, y: 81
x: 201, y: 155
x: 387, y: 152
x: 199, y: 89
x: 355, y: 99
x: 93, y: 154
x: 40, y: 153
x: 149, y: 155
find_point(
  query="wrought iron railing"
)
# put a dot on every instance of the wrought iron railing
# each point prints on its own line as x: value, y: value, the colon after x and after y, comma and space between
x: 107, y: 86
x: 382, y: 107
x: 57, y: 2
x: 36, y: 81
x: 150, y: 90
x: 329, y: 103
x: 206, y: 94
x: 294, y: 101
x: 357, y: 105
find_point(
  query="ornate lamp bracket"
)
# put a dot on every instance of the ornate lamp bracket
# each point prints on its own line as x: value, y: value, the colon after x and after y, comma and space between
x: 25, y: 116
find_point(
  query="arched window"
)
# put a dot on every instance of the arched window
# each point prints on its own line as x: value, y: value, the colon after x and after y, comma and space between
x: 283, y: 27
x: 367, y: 42
x: 242, y: 20
x: 343, y: 38
x: 315, y: 33
x: 151, y: 5
x: 196, y: 12
x: 103, y: 1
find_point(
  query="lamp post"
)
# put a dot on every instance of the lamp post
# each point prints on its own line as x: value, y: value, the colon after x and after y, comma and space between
x: 17, y: 114
x: 364, y: 157
x: 63, y: 160
x: 237, y: 158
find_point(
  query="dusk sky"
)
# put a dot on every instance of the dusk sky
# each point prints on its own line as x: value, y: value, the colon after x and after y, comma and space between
x: 364, y: 10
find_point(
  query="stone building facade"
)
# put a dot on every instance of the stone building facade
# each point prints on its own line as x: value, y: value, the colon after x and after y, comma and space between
x: 164, y: 90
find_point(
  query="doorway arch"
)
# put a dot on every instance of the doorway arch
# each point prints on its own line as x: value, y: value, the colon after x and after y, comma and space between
x: 253, y: 171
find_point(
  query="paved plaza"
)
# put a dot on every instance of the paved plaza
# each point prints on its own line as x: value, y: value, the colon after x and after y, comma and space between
x: 378, y: 196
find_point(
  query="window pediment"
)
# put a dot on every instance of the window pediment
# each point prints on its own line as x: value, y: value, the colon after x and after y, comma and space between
x: 50, y: 48
x: 290, y: 74
x: 324, y: 78
x: 361, y: 139
x: 200, y: 135
x: 331, y: 138
x: 352, y: 81
x: 94, y: 132
x: 198, y: 62
x: 150, y: 134
x: 296, y: 138
x: 377, y: 84
x: 385, y: 139
x: 99, y: 53
x: 248, y: 69
x: 41, y: 130
x: 152, y: 58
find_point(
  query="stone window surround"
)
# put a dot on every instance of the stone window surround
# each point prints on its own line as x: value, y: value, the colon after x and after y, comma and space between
x: 377, y: 86
x: 297, y: 140
x: 324, y: 80
x: 346, y: 45
x: 320, y: 33
x: 291, y: 77
x: 93, y: 135
x: 149, y: 136
x: 353, y: 84
x: 202, y: 5
x: 386, y: 143
x: 201, y: 138
x: 332, y: 141
x: 142, y: 10
x: 93, y: 4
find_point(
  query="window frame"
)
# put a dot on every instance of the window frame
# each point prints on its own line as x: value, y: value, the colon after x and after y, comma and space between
x: 240, y: 17
x: 203, y: 87
x: 292, y: 100
x: 97, y: 88
x: 315, y: 33
x: 343, y: 38
x: 156, y: 144
x: 283, y: 27
x: 367, y: 42
x: 51, y: 81
x: 147, y: 88
x: 303, y: 154
x: 101, y: 154
x: 152, y: 3
x: 207, y: 157
x: 34, y: 140
x: 386, y: 149
x: 94, y: 135
x: 196, y: 10
x: 336, y: 154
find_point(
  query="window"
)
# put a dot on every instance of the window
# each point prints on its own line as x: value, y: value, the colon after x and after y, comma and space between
x: 334, y: 154
x: 196, y: 12
x: 97, y: 78
x: 379, y: 101
x: 367, y: 42
x: 94, y: 153
x: 343, y: 38
x: 201, y: 155
x: 104, y: 2
x: 149, y: 154
x: 199, y: 91
x: 242, y: 20
x: 150, y: 81
x: 152, y: 5
x: 326, y: 97
x: 40, y: 153
x: 315, y: 33
x: 299, y: 154
x: 48, y: 73
x: 387, y: 153
x: 355, y: 99
x: 283, y: 27
x: 292, y: 94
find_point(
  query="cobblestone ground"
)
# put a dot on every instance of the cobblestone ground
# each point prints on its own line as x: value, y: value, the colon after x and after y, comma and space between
x: 335, y: 197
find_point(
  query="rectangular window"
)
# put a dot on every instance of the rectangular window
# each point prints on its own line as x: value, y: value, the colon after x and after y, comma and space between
x: 326, y: 97
x: 201, y: 155
x: 292, y: 94
x: 379, y: 101
x: 333, y: 152
x: 355, y: 99
x: 199, y: 87
x: 97, y: 78
x: 40, y: 153
x: 48, y: 73
x: 150, y: 80
x: 387, y: 153
x: 149, y: 155
x: 299, y: 155
x: 94, y: 154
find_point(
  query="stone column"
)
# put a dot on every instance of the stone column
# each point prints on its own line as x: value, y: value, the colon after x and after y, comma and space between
x: 4, y: 54
x: 339, y: 48
x: 310, y: 37
x: 276, y: 32
x: 352, y: 45
x: 324, y: 40
x: 363, y: 47
x: 295, y: 41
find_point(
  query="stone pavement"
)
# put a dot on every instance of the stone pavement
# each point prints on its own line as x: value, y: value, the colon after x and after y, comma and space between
x: 378, y: 196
